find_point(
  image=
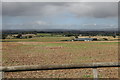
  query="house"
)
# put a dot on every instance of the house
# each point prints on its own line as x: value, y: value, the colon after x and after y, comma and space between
x: 85, y: 39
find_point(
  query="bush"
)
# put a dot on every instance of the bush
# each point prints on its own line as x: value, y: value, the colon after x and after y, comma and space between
x: 4, y: 36
x: 19, y: 36
x: 29, y: 36
x: 105, y: 39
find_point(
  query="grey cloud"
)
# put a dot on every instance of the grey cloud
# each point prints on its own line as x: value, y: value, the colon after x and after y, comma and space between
x: 31, y: 9
x: 95, y: 9
x: 79, y: 9
x: 0, y: 9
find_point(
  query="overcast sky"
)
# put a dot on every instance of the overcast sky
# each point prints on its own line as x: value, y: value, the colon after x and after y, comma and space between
x: 60, y: 15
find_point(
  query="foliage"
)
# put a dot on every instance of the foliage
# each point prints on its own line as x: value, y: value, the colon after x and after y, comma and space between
x: 19, y: 36
x: 4, y: 36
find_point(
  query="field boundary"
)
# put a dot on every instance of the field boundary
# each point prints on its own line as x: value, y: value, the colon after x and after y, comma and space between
x: 94, y: 66
x: 62, y: 66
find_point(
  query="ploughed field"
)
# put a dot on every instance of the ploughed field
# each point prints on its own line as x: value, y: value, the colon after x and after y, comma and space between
x: 42, y: 53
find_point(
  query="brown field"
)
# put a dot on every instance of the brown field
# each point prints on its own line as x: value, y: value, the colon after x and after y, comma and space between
x: 34, y: 53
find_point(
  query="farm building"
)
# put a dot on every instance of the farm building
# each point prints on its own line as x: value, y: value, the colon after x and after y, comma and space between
x: 85, y: 39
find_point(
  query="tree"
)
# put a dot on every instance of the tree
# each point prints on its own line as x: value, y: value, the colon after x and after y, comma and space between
x: 114, y: 36
x: 4, y: 36
x: 19, y: 36
x: 76, y: 36
x: 30, y: 36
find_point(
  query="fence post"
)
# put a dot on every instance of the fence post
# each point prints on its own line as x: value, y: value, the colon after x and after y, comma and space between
x: 95, y: 74
x: 1, y: 75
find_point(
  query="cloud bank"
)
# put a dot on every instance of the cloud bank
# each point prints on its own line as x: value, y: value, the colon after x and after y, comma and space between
x: 59, y: 15
x: 78, y: 9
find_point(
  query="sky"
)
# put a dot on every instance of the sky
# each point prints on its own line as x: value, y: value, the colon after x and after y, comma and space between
x: 59, y: 15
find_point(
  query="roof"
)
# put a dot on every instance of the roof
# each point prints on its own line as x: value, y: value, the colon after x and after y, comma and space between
x: 83, y: 39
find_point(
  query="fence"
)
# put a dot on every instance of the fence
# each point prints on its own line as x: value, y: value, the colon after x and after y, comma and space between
x: 63, y: 66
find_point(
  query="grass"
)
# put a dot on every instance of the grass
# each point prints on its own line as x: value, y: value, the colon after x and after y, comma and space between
x: 49, y: 35
x: 44, y: 50
x: 44, y: 34
x: 87, y: 76
x: 38, y: 39
x: 69, y: 52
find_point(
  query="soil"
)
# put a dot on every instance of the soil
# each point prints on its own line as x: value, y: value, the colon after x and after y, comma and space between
x: 22, y: 53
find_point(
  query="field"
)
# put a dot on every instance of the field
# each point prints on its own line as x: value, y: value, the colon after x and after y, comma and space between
x: 54, y: 51
x: 39, y: 39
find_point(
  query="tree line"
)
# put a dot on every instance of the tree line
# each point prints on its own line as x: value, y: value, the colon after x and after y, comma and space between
x: 63, y: 33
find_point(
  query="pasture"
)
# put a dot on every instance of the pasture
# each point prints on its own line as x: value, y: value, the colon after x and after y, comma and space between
x: 54, y: 51
x: 39, y: 39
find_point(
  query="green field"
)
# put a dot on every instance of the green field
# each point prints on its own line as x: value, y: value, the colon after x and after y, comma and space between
x: 39, y: 39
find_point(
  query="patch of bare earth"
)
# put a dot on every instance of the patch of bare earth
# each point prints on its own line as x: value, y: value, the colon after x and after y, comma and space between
x: 34, y: 53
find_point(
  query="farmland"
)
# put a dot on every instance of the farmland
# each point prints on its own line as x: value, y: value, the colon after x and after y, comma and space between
x: 68, y: 39
x: 39, y: 39
x: 53, y: 51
